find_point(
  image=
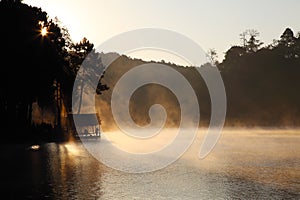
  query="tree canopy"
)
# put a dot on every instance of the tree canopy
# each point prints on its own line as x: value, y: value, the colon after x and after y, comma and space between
x: 39, y: 59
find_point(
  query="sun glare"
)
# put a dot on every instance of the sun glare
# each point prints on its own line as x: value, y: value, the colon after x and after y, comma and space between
x: 44, y: 31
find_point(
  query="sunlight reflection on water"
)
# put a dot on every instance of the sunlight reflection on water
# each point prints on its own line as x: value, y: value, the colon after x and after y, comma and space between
x: 256, y: 164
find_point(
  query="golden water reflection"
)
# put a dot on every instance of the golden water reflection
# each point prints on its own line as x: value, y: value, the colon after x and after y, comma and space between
x: 256, y: 164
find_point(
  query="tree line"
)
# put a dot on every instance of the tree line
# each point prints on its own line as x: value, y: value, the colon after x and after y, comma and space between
x: 261, y: 81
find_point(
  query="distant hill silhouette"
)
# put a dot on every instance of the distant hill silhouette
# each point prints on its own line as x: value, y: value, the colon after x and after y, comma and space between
x: 262, y: 86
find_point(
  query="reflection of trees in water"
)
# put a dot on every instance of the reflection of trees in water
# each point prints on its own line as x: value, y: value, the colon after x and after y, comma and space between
x: 71, y: 172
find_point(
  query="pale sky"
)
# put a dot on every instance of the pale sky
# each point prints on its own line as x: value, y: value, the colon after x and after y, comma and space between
x: 211, y: 23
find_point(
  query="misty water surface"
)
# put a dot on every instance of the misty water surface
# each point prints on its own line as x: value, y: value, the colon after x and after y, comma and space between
x: 245, y: 164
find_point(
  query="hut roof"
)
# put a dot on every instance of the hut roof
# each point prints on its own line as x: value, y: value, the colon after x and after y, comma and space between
x: 87, y: 119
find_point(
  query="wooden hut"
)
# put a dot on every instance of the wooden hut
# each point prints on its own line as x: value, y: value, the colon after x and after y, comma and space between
x: 87, y: 125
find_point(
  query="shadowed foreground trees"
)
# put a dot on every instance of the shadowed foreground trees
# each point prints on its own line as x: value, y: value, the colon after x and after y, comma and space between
x: 36, y: 67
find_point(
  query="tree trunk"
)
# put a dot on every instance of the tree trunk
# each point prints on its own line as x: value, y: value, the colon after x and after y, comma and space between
x: 58, y: 105
x: 29, y: 115
x: 80, y: 98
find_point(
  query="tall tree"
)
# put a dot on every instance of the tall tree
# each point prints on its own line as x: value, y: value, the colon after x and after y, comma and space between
x: 287, y: 38
x: 92, y: 70
x: 35, y: 51
x: 213, y: 56
x: 250, y: 41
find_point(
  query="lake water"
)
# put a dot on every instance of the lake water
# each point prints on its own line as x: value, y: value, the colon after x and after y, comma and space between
x: 245, y: 164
